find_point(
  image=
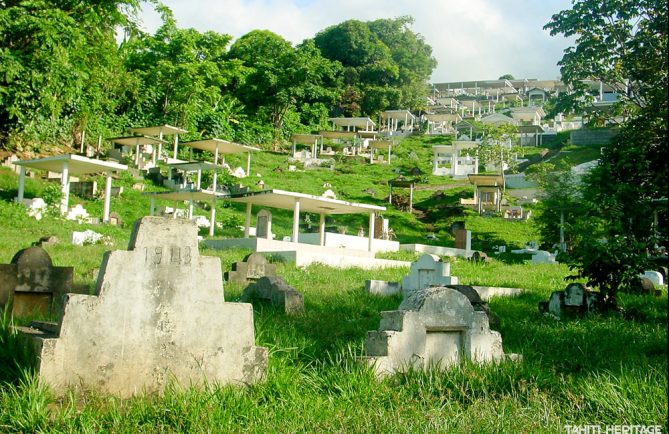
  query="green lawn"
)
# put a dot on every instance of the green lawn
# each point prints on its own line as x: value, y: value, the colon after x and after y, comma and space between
x: 607, y: 370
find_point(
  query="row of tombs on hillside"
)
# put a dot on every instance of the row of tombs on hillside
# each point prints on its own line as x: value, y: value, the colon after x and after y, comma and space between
x: 158, y: 315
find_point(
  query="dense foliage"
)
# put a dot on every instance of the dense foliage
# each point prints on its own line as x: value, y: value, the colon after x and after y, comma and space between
x: 64, y: 77
x: 623, y: 44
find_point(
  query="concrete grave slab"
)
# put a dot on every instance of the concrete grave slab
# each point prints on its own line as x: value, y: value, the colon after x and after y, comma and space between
x: 426, y: 271
x: 275, y: 290
x: 434, y: 327
x: 382, y: 287
x: 252, y: 268
x: 158, y: 315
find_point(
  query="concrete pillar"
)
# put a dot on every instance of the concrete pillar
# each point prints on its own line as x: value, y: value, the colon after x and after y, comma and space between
x: 22, y: 184
x: 176, y: 146
x: 390, y: 147
x: 371, y: 231
x: 215, y: 171
x: 190, y: 208
x: 248, y: 164
x: 152, y: 208
x: 174, y: 212
x: 65, y: 187
x: 212, y: 218
x: 160, y: 146
x: 294, y: 149
x: 198, y: 181
x: 411, y: 197
x: 296, y: 221
x: 321, y: 230
x: 247, y: 220
x: 108, y: 186
x: 390, y: 192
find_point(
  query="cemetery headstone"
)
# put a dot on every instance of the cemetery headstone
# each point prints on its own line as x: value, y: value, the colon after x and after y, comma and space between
x: 31, y: 284
x: 456, y: 226
x: 463, y: 239
x: 264, y: 224
x: 158, y: 315
x: 428, y: 270
x: 252, y: 268
x: 543, y: 257
x: 434, y: 327
x: 654, y: 276
x: 576, y: 299
x: 276, y: 291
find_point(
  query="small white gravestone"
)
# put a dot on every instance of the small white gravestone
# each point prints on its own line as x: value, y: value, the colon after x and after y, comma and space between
x: 654, y: 276
x: 86, y: 237
x: 428, y: 270
x: 35, y: 207
x: 329, y: 194
x: 264, y: 224
x: 382, y: 287
x: 77, y: 213
x: 158, y: 316
x: 433, y: 328
x: 543, y: 257
x: 238, y: 173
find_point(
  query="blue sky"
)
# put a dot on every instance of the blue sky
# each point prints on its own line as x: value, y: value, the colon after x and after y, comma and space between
x: 471, y: 39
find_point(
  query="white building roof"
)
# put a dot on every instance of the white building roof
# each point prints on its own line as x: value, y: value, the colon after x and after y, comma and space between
x: 76, y: 164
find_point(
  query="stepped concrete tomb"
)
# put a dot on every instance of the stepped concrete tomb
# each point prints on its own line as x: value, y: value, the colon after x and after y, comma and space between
x: 158, y: 315
x: 434, y: 327
x: 276, y: 291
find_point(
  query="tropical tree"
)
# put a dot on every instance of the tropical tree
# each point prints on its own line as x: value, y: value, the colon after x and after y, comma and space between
x: 183, y: 77
x: 279, y: 78
x: 624, y: 44
x: 386, y: 65
x: 59, y: 67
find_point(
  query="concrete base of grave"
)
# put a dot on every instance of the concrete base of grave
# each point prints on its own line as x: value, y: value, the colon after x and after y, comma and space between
x: 350, y: 242
x: 488, y: 292
x: 306, y: 254
x: 437, y: 250
x: 382, y: 287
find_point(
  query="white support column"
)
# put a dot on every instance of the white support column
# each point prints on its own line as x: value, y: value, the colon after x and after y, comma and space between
x: 160, y: 147
x: 65, y: 188
x: 390, y: 192
x: 371, y: 230
x: 296, y: 221
x: 174, y: 212
x: 294, y: 149
x: 152, y: 208
x: 411, y: 197
x: 248, y: 164
x: 321, y: 230
x: 198, y: 181
x: 390, y: 147
x: 176, y: 146
x: 22, y: 184
x: 215, y: 171
x: 190, y: 208
x: 107, y: 205
x: 212, y: 218
x: 137, y: 153
x: 247, y: 221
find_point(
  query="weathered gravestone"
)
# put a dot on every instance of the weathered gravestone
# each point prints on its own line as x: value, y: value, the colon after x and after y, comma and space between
x: 426, y: 271
x: 158, y: 315
x: 275, y: 290
x: 434, y: 327
x: 463, y: 239
x: 264, y: 224
x: 252, y: 268
x: 576, y: 299
x: 31, y: 284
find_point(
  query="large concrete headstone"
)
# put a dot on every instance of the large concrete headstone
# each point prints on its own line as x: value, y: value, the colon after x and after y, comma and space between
x: 264, y: 224
x: 31, y: 284
x: 576, y: 299
x: 275, y: 290
x: 434, y: 327
x: 463, y: 239
x: 252, y: 268
x: 158, y: 315
x: 426, y: 271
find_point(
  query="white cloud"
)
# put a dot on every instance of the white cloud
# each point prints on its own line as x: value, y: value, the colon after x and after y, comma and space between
x: 471, y: 39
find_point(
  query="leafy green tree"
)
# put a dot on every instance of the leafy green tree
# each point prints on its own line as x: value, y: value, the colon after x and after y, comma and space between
x: 279, y: 78
x: 498, y: 146
x: 386, y: 65
x: 624, y: 44
x: 183, y: 77
x: 59, y: 68
x: 506, y: 77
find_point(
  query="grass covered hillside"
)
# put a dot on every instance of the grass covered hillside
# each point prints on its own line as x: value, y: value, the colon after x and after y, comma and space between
x: 607, y: 370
